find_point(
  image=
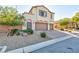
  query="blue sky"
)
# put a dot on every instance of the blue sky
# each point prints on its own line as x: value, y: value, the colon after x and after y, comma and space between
x: 61, y: 11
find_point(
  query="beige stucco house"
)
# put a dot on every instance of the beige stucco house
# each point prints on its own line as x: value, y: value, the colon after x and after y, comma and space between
x: 39, y: 18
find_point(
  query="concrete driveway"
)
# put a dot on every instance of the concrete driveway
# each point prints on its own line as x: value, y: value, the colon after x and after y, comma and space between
x: 55, y: 34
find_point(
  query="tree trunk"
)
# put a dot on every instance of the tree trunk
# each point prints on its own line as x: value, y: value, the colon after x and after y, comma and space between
x: 76, y: 25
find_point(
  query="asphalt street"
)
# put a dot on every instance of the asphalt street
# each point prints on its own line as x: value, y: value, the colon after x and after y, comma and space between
x: 70, y: 45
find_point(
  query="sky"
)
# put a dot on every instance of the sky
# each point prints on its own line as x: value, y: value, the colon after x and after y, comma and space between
x: 61, y: 11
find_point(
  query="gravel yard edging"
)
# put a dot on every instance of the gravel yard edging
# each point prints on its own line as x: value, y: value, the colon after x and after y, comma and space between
x: 37, y: 46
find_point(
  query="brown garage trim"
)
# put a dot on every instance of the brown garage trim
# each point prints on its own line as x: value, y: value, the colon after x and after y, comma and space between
x: 42, y: 22
x: 51, y: 26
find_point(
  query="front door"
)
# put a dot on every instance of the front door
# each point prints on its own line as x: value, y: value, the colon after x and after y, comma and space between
x: 29, y: 25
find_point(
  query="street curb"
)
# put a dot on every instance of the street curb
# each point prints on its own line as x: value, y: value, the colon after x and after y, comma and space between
x: 3, y: 49
x: 38, y: 45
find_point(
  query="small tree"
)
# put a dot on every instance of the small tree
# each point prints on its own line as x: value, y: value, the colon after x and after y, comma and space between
x: 64, y: 22
x: 10, y: 16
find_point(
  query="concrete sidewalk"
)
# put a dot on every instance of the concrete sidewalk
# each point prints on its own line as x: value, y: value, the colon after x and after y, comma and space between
x: 39, y: 45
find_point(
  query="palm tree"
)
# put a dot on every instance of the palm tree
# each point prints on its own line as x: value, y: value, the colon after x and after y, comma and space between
x: 64, y: 22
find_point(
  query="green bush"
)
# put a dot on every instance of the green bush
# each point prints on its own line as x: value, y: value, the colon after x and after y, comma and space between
x: 43, y: 34
x: 24, y: 31
x: 29, y: 31
x: 17, y: 33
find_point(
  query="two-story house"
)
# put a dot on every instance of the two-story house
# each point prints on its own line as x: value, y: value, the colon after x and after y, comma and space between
x: 39, y: 18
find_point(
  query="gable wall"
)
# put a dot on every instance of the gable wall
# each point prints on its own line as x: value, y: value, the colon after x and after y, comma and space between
x: 48, y: 18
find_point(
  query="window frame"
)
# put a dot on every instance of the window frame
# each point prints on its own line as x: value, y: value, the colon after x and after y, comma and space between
x: 42, y: 13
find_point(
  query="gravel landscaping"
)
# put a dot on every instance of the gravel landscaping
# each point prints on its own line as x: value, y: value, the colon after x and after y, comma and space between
x: 15, y: 42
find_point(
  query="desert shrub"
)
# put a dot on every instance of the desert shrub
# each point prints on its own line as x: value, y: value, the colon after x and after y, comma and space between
x: 13, y: 32
x: 43, y: 34
x: 24, y: 30
x: 62, y: 29
x: 28, y: 31
x: 77, y: 28
x: 17, y: 33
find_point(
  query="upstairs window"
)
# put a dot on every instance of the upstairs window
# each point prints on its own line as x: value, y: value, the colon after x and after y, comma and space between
x: 42, y: 13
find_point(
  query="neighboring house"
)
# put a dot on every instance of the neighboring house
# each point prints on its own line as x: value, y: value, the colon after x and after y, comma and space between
x: 70, y: 25
x: 39, y: 18
x: 56, y: 25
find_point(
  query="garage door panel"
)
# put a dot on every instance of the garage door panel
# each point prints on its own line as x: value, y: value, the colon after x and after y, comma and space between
x: 41, y: 26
